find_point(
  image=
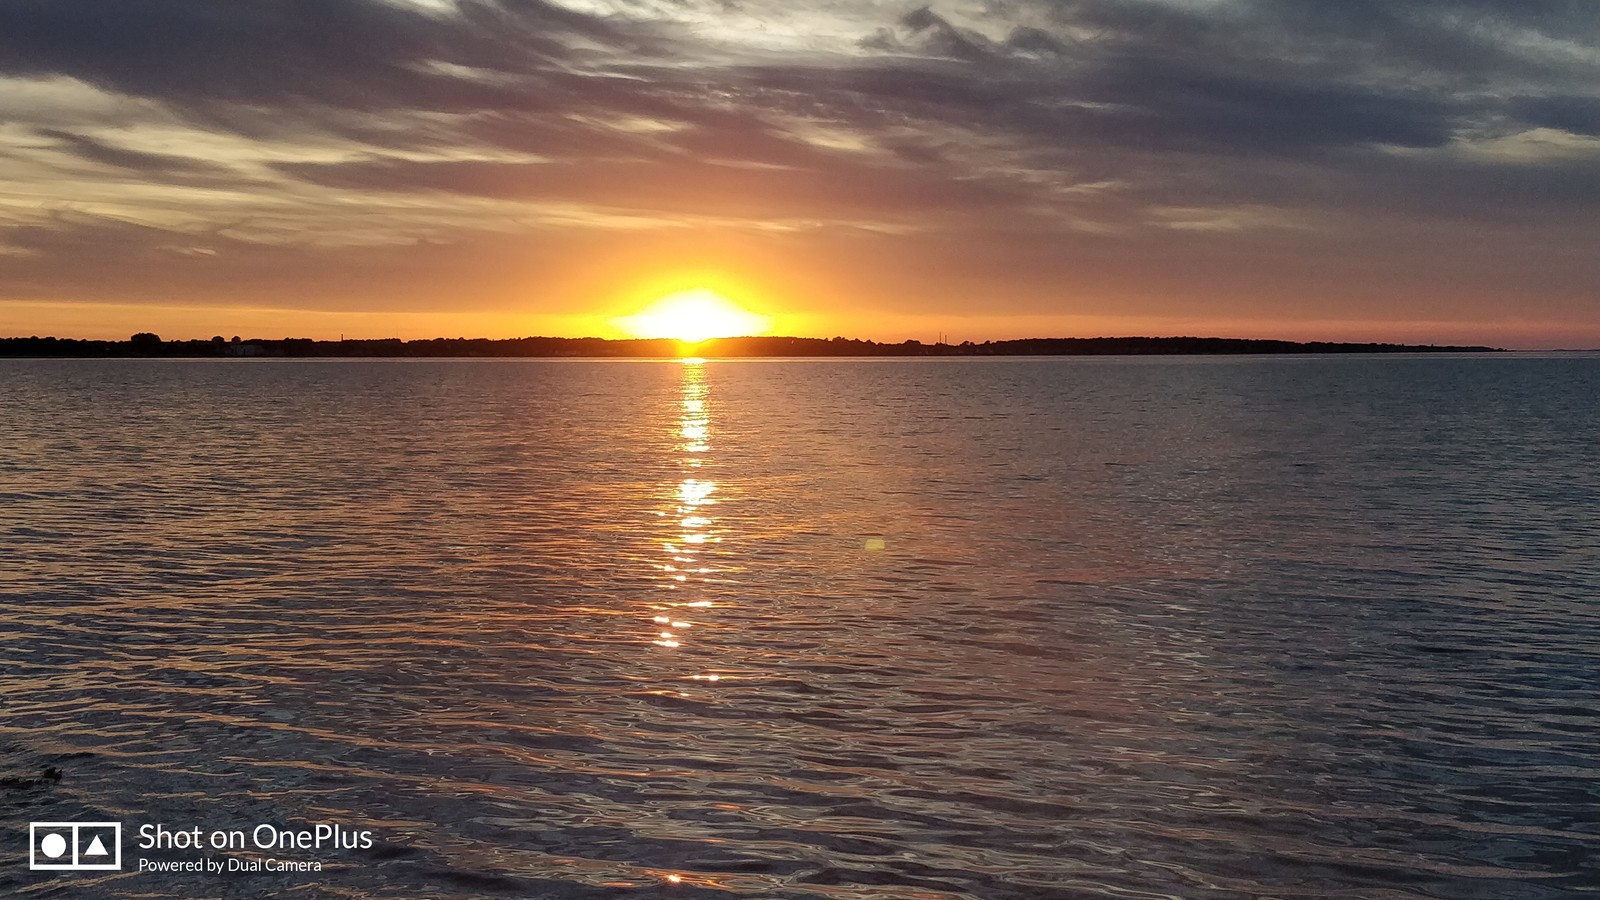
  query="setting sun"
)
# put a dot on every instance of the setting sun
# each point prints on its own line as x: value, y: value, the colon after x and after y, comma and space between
x: 694, y: 316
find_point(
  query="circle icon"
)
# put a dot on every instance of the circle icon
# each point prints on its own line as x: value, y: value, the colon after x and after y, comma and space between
x: 53, y: 845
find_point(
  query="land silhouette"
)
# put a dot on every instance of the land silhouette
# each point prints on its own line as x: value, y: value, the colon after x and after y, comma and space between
x: 147, y: 344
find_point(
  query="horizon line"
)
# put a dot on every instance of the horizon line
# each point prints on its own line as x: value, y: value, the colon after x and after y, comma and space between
x: 761, y: 337
x: 147, y: 344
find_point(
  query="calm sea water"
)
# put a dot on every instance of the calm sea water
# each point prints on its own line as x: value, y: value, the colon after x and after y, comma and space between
x: 812, y: 629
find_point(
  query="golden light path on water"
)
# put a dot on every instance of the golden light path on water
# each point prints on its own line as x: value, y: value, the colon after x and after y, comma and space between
x: 690, y: 530
x: 685, y: 567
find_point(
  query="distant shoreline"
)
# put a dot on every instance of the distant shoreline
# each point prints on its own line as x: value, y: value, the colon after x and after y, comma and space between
x: 151, y: 346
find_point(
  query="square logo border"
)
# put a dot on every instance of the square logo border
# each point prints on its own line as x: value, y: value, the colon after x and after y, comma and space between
x: 74, y: 866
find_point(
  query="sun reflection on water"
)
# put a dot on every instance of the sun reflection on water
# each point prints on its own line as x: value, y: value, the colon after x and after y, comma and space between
x: 685, y: 568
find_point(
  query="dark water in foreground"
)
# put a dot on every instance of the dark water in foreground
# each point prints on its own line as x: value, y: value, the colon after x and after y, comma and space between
x: 862, y: 629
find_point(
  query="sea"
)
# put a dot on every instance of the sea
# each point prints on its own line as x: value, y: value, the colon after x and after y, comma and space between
x: 870, y: 629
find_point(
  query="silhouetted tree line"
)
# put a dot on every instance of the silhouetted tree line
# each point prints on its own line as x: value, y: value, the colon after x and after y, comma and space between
x: 146, y: 344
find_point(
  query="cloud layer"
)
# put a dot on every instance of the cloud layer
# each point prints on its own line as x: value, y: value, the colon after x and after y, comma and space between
x: 1287, y: 163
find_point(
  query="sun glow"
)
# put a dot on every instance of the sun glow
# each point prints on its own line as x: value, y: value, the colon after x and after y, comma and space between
x: 692, y: 317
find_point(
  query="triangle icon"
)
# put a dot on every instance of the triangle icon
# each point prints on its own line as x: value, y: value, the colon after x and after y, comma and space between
x: 96, y: 848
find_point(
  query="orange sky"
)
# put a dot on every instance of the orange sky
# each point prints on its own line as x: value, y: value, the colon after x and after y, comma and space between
x: 978, y: 170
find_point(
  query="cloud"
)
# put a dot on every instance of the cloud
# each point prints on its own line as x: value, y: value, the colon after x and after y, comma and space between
x: 923, y: 31
x: 1565, y: 112
x: 145, y: 163
x: 696, y: 187
x: 1063, y: 127
x: 358, y: 54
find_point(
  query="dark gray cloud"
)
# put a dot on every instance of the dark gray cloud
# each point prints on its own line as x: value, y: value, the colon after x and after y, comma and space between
x: 357, y: 54
x: 1250, y: 77
x: 152, y: 165
x: 923, y: 31
x: 1575, y: 114
x: 1277, y: 74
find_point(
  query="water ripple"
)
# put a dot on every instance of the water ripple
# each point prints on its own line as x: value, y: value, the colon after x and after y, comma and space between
x: 820, y: 629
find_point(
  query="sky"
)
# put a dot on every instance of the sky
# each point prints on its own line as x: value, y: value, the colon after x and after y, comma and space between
x: 1421, y: 171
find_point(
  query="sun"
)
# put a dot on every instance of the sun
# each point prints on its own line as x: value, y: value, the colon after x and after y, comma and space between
x: 694, y: 316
